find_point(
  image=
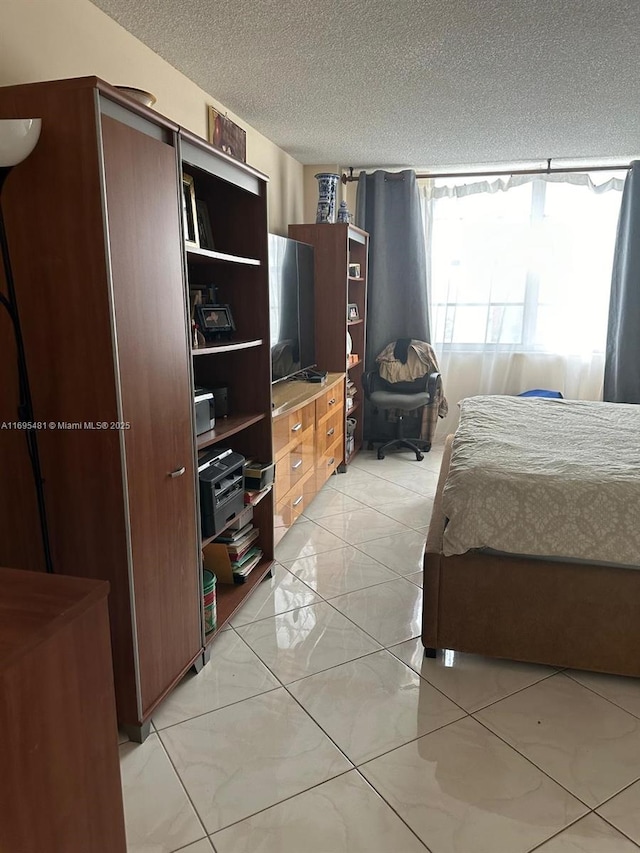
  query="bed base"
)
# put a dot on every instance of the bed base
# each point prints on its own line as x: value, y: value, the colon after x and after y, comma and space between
x: 576, y: 615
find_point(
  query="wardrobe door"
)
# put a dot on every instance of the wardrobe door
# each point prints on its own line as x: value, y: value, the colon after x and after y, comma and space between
x: 153, y: 353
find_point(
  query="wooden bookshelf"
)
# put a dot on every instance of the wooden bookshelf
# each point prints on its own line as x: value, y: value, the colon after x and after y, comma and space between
x: 202, y: 256
x: 226, y: 427
x: 225, y: 346
x: 336, y: 246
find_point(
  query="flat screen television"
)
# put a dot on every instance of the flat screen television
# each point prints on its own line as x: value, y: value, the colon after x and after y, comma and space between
x: 291, y: 307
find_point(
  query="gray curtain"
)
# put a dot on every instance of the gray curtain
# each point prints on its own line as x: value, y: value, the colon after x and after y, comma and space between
x: 622, y: 364
x: 388, y: 207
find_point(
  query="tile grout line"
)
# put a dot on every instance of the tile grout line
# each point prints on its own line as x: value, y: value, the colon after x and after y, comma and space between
x: 182, y: 785
x: 559, y: 832
x: 606, y: 698
x: 530, y: 761
x: 617, y: 828
x: 393, y: 809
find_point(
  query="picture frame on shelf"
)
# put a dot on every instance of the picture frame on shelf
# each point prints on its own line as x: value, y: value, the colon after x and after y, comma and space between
x: 189, y: 212
x: 205, y: 234
x: 354, y: 270
x: 352, y: 311
x: 215, y: 322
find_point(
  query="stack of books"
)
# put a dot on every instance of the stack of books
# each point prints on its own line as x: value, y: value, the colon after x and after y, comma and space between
x: 243, y: 554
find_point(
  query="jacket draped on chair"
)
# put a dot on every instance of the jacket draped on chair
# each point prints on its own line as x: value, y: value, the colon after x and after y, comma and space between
x: 405, y: 360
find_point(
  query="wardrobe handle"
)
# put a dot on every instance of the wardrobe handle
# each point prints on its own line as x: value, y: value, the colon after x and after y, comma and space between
x: 331, y: 431
x: 296, y: 427
x: 177, y: 473
x: 297, y: 500
x: 296, y: 465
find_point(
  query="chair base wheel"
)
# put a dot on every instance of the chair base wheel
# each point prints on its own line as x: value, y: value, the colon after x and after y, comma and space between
x: 430, y: 653
x: 419, y: 457
x: 380, y: 455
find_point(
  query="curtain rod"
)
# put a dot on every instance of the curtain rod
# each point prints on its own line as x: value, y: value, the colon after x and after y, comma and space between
x: 498, y: 172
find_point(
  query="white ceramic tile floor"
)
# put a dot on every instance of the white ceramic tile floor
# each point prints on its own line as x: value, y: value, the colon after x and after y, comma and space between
x: 343, y: 570
x: 275, y: 595
x: 302, y: 734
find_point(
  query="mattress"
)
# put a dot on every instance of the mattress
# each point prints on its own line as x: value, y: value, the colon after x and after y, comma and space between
x: 542, y: 477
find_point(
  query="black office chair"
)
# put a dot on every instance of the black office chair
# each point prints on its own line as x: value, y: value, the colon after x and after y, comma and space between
x: 401, y: 398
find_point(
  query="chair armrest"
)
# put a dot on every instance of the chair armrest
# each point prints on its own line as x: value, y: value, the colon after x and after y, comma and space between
x: 434, y: 382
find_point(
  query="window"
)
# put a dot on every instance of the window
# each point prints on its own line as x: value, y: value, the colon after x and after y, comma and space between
x: 521, y: 265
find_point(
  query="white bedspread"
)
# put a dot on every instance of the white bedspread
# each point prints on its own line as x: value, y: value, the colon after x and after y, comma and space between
x: 557, y: 478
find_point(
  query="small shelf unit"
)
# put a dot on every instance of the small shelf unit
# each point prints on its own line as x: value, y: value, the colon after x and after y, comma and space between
x: 336, y: 246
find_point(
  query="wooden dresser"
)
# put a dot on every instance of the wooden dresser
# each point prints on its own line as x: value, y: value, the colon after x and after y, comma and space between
x: 60, y: 785
x: 308, y: 441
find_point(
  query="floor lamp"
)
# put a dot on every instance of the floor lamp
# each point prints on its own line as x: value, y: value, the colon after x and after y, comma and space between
x: 18, y: 138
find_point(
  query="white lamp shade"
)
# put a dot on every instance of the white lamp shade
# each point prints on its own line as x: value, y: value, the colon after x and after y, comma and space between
x: 18, y: 138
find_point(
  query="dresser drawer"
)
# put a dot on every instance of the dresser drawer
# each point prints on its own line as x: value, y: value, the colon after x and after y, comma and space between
x: 289, y: 507
x: 331, y: 429
x: 329, y: 461
x: 287, y: 428
x: 330, y: 401
x: 294, y: 464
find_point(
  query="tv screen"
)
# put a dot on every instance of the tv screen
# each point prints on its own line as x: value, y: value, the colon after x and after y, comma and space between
x: 291, y: 307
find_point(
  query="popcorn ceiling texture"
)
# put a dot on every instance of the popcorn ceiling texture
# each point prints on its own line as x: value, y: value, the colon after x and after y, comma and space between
x: 411, y: 82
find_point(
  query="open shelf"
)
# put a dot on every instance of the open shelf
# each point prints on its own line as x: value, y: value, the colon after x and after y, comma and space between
x: 353, y: 409
x: 355, y: 278
x: 357, y: 447
x: 354, y: 364
x: 354, y: 322
x: 226, y: 346
x: 226, y: 427
x: 207, y: 256
x: 229, y: 597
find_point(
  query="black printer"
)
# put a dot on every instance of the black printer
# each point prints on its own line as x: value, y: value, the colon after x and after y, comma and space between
x: 221, y: 477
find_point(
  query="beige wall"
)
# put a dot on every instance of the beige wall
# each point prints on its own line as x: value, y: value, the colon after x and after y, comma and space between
x: 52, y: 39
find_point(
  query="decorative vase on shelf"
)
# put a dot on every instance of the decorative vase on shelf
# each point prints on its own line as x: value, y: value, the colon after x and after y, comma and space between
x: 327, y: 190
x: 343, y: 213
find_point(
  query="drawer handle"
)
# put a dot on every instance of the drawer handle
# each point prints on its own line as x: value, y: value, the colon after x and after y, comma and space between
x: 331, y: 461
x: 297, y: 500
x: 331, y: 431
x: 296, y: 427
x: 332, y: 401
x: 177, y: 473
x: 296, y: 465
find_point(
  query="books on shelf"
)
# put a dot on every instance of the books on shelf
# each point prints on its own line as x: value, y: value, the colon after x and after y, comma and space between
x: 233, y: 554
x: 241, y: 568
x: 253, y: 496
x: 235, y: 538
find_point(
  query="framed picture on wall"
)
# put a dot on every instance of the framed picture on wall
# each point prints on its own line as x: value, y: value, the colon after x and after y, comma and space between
x: 227, y: 135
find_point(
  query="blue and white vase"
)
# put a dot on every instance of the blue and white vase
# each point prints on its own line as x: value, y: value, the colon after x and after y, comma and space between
x: 327, y: 189
x: 343, y: 213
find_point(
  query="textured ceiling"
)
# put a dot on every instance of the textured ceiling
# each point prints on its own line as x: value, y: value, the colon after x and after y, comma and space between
x: 411, y: 82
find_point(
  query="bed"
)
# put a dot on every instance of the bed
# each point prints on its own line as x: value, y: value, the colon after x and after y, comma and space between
x: 566, y: 590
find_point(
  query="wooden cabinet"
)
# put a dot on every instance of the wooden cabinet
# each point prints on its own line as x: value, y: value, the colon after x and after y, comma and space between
x: 95, y: 225
x: 336, y: 247
x: 60, y: 785
x: 308, y: 440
